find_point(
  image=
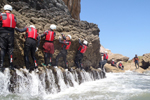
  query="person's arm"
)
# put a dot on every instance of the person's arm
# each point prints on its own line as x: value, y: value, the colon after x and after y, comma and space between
x: 20, y: 30
x: 80, y: 42
x: 38, y: 38
x: 63, y: 42
x: 0, y: 17
x: 63, y: 36
x: 44, y: 34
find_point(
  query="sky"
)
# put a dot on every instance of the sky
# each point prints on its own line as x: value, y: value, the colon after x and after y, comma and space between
x: 124, y: 24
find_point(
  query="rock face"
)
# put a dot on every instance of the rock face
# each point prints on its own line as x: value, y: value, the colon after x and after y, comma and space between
x: 74, y: 8
x: 43, y: 13
x: 145, y: 61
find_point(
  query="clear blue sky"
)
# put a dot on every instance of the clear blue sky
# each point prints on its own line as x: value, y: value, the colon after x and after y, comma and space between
x: 124, y: 24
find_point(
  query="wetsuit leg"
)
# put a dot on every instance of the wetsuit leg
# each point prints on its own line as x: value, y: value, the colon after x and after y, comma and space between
x: 45, y: 58
x: 26, y: 56
x: 10, y: 50
x: 2, y: 51
x: 33, y: 55
x: 80, y: 61
x: 50, y: 58
x: 57, y: 58
x: 65, y: 60
x: 76, y: 61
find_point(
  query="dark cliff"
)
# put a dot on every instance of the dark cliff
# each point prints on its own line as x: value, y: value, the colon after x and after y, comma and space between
x: 42, y: 13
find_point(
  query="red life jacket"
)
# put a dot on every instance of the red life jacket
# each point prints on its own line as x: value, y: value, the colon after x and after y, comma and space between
x: 120, y: 64
x: 32, y: 33
x: 50, y: 36
x: 9, y: 21
x: 82, y: 48
x: 113, y: 62
x: 105, y: 56
x: 67, y: 46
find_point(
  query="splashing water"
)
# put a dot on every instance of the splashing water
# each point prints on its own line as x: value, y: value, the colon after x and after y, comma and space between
x: 22, y: 85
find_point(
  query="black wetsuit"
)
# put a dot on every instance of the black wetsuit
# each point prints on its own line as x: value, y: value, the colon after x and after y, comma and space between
x: 103, y: 62
x: 63, y: 52
x: 113, y: 63
x: 79, y: 57
x: 6, y: 42
x: 29, y: 45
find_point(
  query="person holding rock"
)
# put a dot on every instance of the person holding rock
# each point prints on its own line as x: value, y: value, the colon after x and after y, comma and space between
x: 49, y: 45
x: 113, y: 63
x: 104, y: 61
x: 7, y: 25
x: 136, y: 61
x: 30, y: 45
x: 63, y: 53
x: 81, y: 50
x: 120, y: 65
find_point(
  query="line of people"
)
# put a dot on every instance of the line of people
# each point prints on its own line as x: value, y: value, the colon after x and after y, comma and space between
x: 8, y: 25
x: 113, y: 63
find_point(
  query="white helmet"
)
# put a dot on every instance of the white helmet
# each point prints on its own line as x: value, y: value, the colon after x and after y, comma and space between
x: 105, y: 51
x: 8, y: 7
x: 112, y: 59
x: 32, y: 26
x: 53, y: 27
x: 69, y: 36
x: 85, y: 42
x: 120, y: 61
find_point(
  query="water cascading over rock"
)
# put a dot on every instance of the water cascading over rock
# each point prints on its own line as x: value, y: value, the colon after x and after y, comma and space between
x: 48, y: 81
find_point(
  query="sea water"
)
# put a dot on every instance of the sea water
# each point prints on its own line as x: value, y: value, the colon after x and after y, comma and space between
x: 116, y: 86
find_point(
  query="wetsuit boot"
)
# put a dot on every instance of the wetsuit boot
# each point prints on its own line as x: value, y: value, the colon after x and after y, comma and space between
x: 2, y: 52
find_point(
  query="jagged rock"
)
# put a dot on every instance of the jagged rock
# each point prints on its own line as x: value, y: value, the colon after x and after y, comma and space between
x: 74, y: 8
x: 146, y: 61
x: 42, y: 13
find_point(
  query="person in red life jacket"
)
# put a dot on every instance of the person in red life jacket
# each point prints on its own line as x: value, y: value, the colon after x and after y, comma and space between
x: 104, y: 61
x: 120, y: 65
x: 7, y: 26
x: 113, y: 63
x: 63, y: 53
x: 136, y: 61
x: 30, y: 44
x: 81, y: 50
x: 49, y: 45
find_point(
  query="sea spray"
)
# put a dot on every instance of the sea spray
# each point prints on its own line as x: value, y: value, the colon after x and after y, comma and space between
x: 46, y: 82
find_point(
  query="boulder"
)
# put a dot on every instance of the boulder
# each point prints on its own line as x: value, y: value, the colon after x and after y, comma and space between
x: 118, y: 57
x: 146, y: 61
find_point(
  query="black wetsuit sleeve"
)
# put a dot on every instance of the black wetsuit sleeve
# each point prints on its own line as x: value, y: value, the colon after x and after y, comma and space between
x: 44, y: 34
x: 38, y: 38
x: 80, y: 42
x: 54, y: 34
x: 63, y: 42
x: 63, y: 36
x: 21, y: 30
x: 15, y: 19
